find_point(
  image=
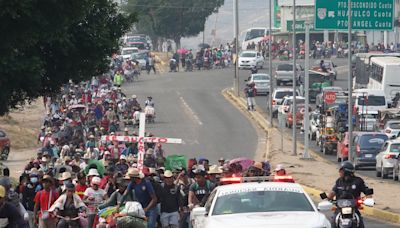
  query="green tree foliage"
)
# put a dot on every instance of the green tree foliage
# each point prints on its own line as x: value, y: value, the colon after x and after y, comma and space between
x: 44, y: 43
x: 173, y: 19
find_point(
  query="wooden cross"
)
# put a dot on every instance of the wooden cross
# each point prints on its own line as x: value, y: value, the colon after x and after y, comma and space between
x: 141, y: 140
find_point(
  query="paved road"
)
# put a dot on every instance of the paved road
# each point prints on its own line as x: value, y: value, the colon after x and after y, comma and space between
x: 342, y: 81
x: 190, y: 106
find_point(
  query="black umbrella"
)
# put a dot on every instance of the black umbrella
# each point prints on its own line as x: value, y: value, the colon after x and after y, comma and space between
x: 204, y: 45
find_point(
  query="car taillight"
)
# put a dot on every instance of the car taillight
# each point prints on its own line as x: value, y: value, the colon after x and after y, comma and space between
x: 284, y: 179
x: 390, y: 156
x: 388, y: 131
x: 360, y: 201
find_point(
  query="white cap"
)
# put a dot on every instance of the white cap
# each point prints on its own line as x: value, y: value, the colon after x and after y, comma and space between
x: 279, y: 167
x: 96, y: 180
x: 93, y: 172
x: 122, y: 157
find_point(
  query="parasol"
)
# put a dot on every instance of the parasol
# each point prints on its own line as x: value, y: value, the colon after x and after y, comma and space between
x: 95, y: 164
x: 244, y: 162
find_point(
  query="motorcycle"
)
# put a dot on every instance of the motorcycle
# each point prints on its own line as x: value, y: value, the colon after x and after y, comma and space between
x: 347, y: 213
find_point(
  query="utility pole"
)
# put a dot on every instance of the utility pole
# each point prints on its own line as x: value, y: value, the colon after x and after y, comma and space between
x: 271, y: 79
x: 236, y: 84
x: 350, y: 85
x: 294, y: 112
x: 306, y: 117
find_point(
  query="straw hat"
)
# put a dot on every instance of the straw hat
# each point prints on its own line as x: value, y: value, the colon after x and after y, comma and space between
x: 47, y: 178
x: 134, y: 172
x: 168, y: 174
x: 258, y: 165
x: 150, y: 151
x: 65, y: 176
x: 214, y: 169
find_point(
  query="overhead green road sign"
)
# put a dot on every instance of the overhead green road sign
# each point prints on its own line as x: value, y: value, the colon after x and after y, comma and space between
x: 366, y: 14
x: 300, y: 26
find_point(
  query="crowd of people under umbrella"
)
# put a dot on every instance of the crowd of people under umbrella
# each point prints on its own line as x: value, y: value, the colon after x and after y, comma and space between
x: 79, y: 180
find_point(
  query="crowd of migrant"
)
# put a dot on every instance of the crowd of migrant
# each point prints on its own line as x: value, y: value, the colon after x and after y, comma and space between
x: 79, y: 180
x: 205, y: 58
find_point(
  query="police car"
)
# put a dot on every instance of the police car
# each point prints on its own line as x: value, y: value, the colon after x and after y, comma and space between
x: 258, y: 204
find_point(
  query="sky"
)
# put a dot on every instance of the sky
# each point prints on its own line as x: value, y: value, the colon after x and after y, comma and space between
x: 252, y: 13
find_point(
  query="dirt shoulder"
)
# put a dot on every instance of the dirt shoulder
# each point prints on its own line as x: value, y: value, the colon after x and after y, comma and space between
x: 22, y: 127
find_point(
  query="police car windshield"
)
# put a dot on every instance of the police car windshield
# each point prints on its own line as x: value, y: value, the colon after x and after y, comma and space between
x: 261, y: 201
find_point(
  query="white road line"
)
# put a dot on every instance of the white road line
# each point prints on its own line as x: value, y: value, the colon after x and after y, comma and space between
x: 190, y: 111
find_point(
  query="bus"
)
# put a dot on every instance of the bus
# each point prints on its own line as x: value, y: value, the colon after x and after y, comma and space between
x: 384, y: 75
x: 255, y: 35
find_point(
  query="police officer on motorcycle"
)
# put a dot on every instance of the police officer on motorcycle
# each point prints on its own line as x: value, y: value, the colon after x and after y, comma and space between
x: 349, y: 185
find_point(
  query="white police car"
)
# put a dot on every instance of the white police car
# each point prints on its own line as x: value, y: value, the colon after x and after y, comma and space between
x: 259, y: 204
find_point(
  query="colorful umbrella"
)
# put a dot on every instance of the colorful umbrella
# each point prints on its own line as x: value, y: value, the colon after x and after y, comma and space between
x: 182, y: 51
x: 95, y: 164
x: 244, y: 162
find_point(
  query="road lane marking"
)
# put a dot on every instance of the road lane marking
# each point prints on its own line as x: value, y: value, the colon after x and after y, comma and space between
x: 189, y: 110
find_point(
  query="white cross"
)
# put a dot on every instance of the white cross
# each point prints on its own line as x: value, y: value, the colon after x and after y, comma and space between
x: 141, y: 139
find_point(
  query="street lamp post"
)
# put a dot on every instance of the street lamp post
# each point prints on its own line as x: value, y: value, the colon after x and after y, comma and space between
x: 236, y: 25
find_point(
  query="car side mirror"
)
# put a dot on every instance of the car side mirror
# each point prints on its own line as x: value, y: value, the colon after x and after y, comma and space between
x: 393, y: 137
x: 325, y: 206
x: 199, y: 211
x: 323, y: 195
x: 369, y: 191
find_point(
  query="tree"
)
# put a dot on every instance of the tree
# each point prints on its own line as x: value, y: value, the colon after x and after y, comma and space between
x: 45, y: 43
x: 173, y: 19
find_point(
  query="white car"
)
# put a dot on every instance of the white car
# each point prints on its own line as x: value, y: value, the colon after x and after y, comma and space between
x: 250, y: 59
x: 258, y: 204
x: 387, y: 158
x: 392, y: 128
x: 277, y: 97
x: 127, y: 52
x: 287, y: 101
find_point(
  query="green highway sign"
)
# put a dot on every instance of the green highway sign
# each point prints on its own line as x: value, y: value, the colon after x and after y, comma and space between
x: 300, y: 26
x: 366, y: 14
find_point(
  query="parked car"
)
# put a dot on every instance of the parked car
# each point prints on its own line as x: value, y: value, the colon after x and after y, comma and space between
x: 141, y: 58
x: 262, y: 83
x: 299, y: 112
x: 251, y: 59
x: 287, y: 101
x: 366, y: 146
x: 284, y: 73
x: 277, y: 97
x: 392, y: 128
x: 5, y: 145
x: 127, y: 52
x: 386, y: 159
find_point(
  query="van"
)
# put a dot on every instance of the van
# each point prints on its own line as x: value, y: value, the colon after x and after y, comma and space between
x: 368, y: 101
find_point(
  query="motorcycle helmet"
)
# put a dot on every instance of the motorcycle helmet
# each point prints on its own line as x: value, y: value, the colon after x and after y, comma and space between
x: 347, y: 167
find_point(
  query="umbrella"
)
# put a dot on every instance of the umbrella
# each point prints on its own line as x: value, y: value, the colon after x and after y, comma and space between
x: 78, y: 107
x: 95, y: 164
x: 204, y: 45
x: 182, y: 51
x: 244, y: 162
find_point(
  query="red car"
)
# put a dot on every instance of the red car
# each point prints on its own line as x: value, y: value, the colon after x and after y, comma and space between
x: 4, y: 145
x: 343, y: 148
x: 299, y: 116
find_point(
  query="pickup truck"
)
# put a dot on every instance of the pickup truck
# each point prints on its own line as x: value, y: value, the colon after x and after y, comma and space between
x: 284, y: 73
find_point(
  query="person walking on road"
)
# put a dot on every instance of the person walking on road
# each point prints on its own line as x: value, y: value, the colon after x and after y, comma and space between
x: 251, y: 92
x: 150, y: 64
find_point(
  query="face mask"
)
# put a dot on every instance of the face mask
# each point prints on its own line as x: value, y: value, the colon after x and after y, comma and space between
x: 34, y: 180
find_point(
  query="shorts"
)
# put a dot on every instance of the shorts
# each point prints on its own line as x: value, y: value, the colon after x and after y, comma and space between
x: 169, y: 219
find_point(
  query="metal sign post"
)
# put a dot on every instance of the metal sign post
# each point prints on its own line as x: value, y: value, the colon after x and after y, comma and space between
x: 271, y: 79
